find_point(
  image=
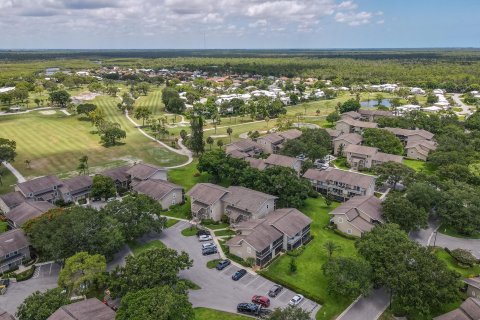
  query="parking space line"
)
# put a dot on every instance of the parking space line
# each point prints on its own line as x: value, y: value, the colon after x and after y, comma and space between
x: 252, y: 280
x: 283, y: 292
x: 261, y: 284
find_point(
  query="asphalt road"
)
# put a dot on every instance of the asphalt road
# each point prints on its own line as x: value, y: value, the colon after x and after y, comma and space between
x: 44, y: 278
x: 218, y: 290
x: 366, y: 308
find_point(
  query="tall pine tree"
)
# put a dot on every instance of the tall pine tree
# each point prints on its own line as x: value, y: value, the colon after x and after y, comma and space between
x: 196, y: 142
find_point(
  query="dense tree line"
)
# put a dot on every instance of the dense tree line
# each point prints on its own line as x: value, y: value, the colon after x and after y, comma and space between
x: 313, y: 143
x: 284, y: 183
x: 61, y: 233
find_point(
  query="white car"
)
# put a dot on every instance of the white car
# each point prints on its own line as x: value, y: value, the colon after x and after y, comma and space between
x: 208, y: 245
x: 205, y: 237
x: 295, y: 301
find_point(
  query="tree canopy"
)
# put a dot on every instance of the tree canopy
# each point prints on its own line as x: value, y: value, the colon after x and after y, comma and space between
x: 398, y: 209
x: 7, y: 150
x: 149, y: 269
x: 158, y: 303
x: 61, y: 233
x: 347, y: 277
x: 137, y: 214
x: 418, y: 282
x: 41, y: 305
x: 384, y: 140
x: 313, y: 143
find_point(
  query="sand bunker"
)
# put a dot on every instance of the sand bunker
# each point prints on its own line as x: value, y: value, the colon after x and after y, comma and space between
x: 47, y: 112
x: 85, y: 96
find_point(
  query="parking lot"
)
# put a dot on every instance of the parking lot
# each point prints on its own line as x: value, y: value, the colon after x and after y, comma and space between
x: 45, y: 277
x: 218, y: 290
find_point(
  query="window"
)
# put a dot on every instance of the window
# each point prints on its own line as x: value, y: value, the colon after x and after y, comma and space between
x: 349, y: 231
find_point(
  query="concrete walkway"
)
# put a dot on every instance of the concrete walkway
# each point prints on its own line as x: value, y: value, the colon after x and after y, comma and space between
x: 183, y: 150
x: 26, y: 111
x: 16, y: 173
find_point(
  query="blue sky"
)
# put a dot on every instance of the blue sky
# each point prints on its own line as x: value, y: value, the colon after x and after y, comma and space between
x: 163, y: 24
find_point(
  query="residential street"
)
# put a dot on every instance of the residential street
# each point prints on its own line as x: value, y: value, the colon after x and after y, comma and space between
x: 45, y: 277
x: 218, y: 291
x: 465, y: 108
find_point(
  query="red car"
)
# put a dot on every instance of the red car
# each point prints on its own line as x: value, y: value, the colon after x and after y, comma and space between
x: 261, y: 300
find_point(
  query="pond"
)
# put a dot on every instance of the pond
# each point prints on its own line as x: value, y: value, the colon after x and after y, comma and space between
x: 374, y: 103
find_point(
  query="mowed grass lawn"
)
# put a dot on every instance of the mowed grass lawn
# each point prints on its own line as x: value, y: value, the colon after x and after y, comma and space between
x: 309, y: 276
x: 54, y: 143
x: 211, y: 314
x: 8, y: 180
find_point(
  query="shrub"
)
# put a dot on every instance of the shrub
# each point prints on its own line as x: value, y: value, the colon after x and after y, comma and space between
x: 464, y: 257
x: 296, y: 252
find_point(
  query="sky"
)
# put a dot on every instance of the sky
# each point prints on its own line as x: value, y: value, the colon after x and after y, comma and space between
x: 238, y: 24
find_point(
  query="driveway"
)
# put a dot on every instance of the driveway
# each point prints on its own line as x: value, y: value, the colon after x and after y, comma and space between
x: 218, y: 290
x: 45, y: 277
x: 367, y: 308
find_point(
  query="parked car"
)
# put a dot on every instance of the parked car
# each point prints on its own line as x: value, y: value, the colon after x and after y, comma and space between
x: 275, y: 290
x: 239, y: 274
x: 202, y: 232
x: 248, y: 308
x: 208, y: 251
x: 208, y: 245
x: 261, y: 300
x: 223, y: 264
x: 295, y: 301
x: 205, y: 237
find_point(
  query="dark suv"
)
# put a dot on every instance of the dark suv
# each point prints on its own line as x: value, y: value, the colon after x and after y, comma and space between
x: 249, y: 308
x: 223, y: 264
x: 239, y: 274
x: 209, y: 250
x: 274, y: 291
x: 202, y: 232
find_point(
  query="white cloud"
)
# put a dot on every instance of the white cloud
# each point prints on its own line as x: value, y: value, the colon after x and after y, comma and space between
x: 356, y: 18
x: 117, y: 18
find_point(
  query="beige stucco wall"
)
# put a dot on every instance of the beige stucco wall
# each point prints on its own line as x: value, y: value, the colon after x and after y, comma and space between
x: 265, y: 145
x: 243, y: 251
x: 174, y: 197
x: 412, y: 153
x: 343, y: 127
x: 344, y: 226
x: 473, y: 292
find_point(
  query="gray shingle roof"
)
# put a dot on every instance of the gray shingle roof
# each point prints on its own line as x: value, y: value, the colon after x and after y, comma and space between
x: 370, y: 151
x: 358, y: 123
x: 117, y: 174
x: 407, y: 132
x: 256, y: 163
x: 12, y: 199
x: 207, y: 193
x: 77, y: 183
x: 264, y: 231
x: 290, y: 134
x: 246, y: 199
x: 28, y: 210
x: 90, y: 309
x: 468, y: 310
x: 343, y: 176
x: 156, y: 189
x: 143, y: 171
x: 280, y: 160
x: 4, y: 315
x: 353, y: 138
x: 12, y: 240
x: 39, y: 184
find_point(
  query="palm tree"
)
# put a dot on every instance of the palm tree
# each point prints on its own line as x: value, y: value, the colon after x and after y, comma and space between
x: 220, y: 143
x: 210, y: 142
x: 331, y: 247
x: 83, y: 164
x: 27, y: 163
x: 229, y: 132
